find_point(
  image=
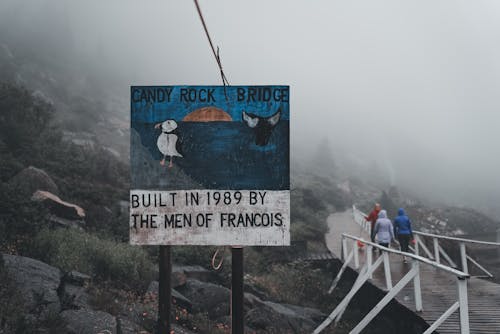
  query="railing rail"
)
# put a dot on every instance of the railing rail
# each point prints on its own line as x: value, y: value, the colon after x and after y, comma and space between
x: 450, y: 270
x: 438, y: 250
x: 369, y: 267
x: 464, y: 240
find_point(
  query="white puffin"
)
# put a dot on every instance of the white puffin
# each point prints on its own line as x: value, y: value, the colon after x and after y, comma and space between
x: 168, y: 141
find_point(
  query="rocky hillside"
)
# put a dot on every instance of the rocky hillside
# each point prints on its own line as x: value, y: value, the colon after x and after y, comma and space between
x: 40, y: 298
x: 427, y: 217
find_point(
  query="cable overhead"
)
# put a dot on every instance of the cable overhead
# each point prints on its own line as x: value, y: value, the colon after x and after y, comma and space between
x: 215, y: 52
x: 225, y: 83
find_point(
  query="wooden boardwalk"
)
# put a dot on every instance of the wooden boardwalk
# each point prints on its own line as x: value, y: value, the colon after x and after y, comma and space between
x: 439, y: 289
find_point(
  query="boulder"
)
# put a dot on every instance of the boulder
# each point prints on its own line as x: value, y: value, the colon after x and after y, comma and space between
x: 37, y: 283
x: 251, y: 288
x: 77, y: 278
x: 67, y: 223
x: 128, y: 327
x: 207, y: 297
x: 181, y: 273
x: 251, y: 300
x: 74, y: 297
x: 284, y: 317
x: 262, y: 318
x: 177, y: 298
x: 307, y: 312
x: 88, y: 322
x: 59, y: 207
x: 177, y: 329
x: 32, y: 179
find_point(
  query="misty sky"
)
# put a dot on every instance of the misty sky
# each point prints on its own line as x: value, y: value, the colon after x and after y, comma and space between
x: 414, y: 85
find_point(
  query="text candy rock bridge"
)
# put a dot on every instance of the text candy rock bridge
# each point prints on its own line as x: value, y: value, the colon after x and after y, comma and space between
x: 447, y: 298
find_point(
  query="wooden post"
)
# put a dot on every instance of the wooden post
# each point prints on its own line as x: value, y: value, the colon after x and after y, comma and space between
x: 463, y: 256
x: 416, y: 286
x: 164, y: 291
x: 464, y: 306
x: 387, y: 270
x: 369, y: 258
x: 435, y: 241
x: 237, y: 323
x: 355, y: 250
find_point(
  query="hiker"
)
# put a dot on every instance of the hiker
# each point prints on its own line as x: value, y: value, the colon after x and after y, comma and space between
x: 402, y: 230
x: 384, y: 229
x: 372, y: 218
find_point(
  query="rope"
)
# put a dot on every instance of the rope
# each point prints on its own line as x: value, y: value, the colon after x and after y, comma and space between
x: 217, y: 267
x: 225, y: 83
x: 215, y: 53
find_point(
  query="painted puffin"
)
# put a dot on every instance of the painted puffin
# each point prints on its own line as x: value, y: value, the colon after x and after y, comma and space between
x: 167, y: 141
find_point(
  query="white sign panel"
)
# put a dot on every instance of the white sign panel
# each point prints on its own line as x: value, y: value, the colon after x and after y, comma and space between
x: 210, y: 165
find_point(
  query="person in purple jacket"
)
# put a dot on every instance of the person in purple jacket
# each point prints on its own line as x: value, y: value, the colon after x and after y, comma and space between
x: 403, y: 231
x: 384, y: 230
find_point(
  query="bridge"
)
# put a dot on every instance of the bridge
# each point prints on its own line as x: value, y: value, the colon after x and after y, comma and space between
x: 431, y: 284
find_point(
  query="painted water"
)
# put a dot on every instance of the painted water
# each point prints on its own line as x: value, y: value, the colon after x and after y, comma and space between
x: 222, y: 155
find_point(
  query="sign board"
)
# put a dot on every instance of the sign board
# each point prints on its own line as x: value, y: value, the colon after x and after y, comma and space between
x: 210, y: 165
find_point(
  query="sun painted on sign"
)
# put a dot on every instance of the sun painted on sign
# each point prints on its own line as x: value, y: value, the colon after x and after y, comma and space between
x: 207, y: 142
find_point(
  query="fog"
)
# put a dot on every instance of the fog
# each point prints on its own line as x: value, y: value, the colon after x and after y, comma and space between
x: 411, y: 85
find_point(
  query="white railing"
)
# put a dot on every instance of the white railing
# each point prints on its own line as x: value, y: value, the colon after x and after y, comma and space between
x: 392, y: 290
x: 350, y: 253
x: 438, y: 250
x: 462, y: 242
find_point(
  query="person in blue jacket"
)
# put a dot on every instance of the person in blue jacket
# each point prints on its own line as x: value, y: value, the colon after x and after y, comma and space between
x: 403, y: 231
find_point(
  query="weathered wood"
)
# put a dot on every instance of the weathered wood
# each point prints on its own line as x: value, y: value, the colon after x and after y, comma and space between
x: 165, y: 290
x: 237, y: 312
x: 439, y: 289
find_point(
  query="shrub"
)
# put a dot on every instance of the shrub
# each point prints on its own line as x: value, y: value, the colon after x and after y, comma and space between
x: 295, y: 283
x: 70, y: 249
x: 194, y: 255
x: 22, y: 118
x: 20, y: 218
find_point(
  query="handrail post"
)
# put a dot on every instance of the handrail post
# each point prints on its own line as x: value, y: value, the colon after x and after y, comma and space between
x: 435, y: 241
x: 343, y: 249
x: 356, y: 254
x: 387, y: 270
x: 416, y: 286
x: 464, y: 305
x: 369, y: 259
x: 463, y: 256
x: 417, y: 246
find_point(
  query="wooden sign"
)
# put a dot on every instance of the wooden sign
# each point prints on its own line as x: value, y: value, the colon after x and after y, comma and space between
x: 210, y: 165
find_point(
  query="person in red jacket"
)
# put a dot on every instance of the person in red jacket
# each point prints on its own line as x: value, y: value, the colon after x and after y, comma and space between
x: 372, y: 218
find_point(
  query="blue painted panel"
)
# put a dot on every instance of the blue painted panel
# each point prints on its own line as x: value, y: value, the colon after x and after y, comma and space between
x: 219, y: 149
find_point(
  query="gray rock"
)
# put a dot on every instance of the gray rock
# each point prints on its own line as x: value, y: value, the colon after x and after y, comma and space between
x: 283, y: 317
x: 177, y: 298
x: 182, y: 273
x: 76, y: 278
x: 32, y: 179
x: 251, y: 300
x: 180, y: 330
x: 307, y: 312
x: 144, y: 314
x: 207, y: 297
x: 262, y: 318
x: 128, y: 327
x: 37, y: 282
x: 66, y: 223
x: 74, y: 297
x: 88, y: 322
